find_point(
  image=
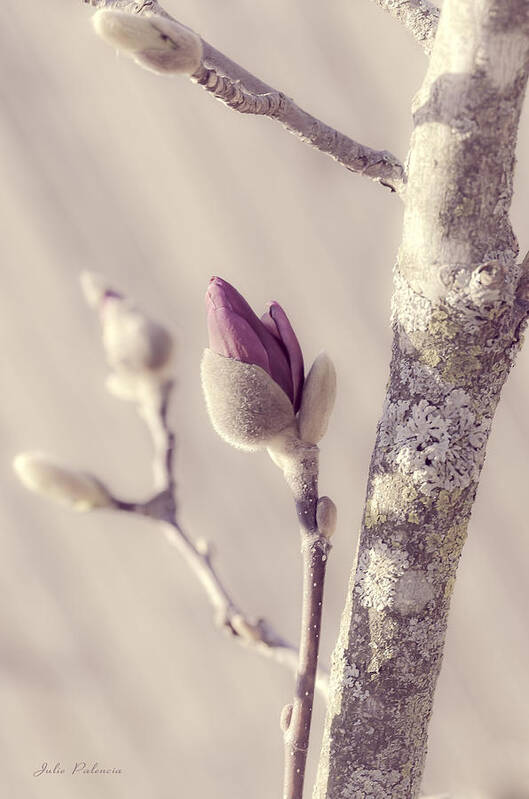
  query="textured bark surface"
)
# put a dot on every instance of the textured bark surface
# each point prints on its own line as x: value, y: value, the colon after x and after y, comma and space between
x: 457, y: 320
x: 419, y: 16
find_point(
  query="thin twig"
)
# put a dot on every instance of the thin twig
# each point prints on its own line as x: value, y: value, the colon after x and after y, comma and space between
x: 243, y: 92
x: 297, y: 733
x: 162, y: 508
x: 300, y: 467
x: 420, y: 17
x: 154, y: 412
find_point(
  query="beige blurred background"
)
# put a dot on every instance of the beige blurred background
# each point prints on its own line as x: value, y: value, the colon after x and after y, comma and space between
x: 107, y: 651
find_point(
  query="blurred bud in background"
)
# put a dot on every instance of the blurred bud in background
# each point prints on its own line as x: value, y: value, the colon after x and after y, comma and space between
x: 44, y: 475
x: 138, y: 349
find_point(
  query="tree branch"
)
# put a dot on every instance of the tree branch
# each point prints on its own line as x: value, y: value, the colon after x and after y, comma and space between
x: 162, y: 508
x: 420, y: 17
x: 457, y: 327
x: 243, y: 92
x: 299, y: 461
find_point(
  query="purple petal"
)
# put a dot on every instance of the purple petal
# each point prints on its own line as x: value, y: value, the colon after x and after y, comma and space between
x: 231, y: 335
x: 222, y: 296
x: 276, y: 321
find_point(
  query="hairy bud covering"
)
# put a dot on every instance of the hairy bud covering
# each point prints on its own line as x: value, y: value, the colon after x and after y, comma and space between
x: 235, y: 331
x: 246, y: 406
x: 317, y: 401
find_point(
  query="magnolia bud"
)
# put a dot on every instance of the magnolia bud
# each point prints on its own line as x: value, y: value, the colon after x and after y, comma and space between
x: 134, y: 344
x: 94, y: 287
x: 317, y: 400
x: 132, y: 341
x: 286, y: 717
x: 161, y: 45
x: 246, y: 406
x: 270, y: 342
x: 326, y: 515
x: 43, y: 475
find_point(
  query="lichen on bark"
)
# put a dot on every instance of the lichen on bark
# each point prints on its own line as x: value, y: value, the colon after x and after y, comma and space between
x: 457, y: 324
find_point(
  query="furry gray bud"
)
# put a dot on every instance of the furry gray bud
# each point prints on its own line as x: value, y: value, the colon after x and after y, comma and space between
x: 246, y: 406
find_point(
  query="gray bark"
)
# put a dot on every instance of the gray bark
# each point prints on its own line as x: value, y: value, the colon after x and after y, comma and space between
x: 419, y: 16
x: 457, y: 320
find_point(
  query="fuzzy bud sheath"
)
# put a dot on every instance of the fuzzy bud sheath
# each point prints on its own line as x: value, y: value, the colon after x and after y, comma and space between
x: 317, y: 400
x: 247, y: 408
x: 44, y: 475
x: 160, y: 45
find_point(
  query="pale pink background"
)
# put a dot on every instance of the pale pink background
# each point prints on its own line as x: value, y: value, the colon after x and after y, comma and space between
x: 107, y: 648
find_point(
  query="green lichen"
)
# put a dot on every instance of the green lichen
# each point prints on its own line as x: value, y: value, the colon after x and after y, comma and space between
x: 441, y: 325
x: 447, y: 499
x: 461, y: 364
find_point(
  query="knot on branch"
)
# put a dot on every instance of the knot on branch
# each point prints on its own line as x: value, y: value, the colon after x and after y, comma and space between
x: 234, y: 94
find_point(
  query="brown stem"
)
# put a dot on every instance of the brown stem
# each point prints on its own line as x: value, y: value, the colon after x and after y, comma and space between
x: 154, y: 412
x: 296, y: 735
x: 257, y: 634
x: 299, y: 461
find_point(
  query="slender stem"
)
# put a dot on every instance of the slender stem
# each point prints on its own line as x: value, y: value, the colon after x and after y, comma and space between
x: 299, y: 461
x: 154, y: 412
x: 296, y: 735
x: 162, y: 508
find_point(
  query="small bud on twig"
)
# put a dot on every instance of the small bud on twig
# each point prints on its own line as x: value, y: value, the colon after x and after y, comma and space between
x: 132, y: 341
x: 161, y: 45
x: 317, y: 402
x: 136, y: 348
x: 285, y: 717
x: 326, y: 516
x: 43, y: 475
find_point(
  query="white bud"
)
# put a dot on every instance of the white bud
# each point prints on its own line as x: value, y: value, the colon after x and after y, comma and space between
x: 326, y: 515
x: 245, y: 629
x: 134, y: 344
x: 317, y: 400
x: 246, y: 406
x: 94, y: 287
x: 43, y: 475
x: 132, y: 341
x: 156, y: 43
x: 286, y: 717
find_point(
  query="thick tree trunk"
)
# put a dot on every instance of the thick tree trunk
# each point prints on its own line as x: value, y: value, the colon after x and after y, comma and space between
x: 457, y: 321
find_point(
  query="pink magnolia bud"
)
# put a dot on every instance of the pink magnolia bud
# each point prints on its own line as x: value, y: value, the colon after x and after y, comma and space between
x: 236, y: 332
